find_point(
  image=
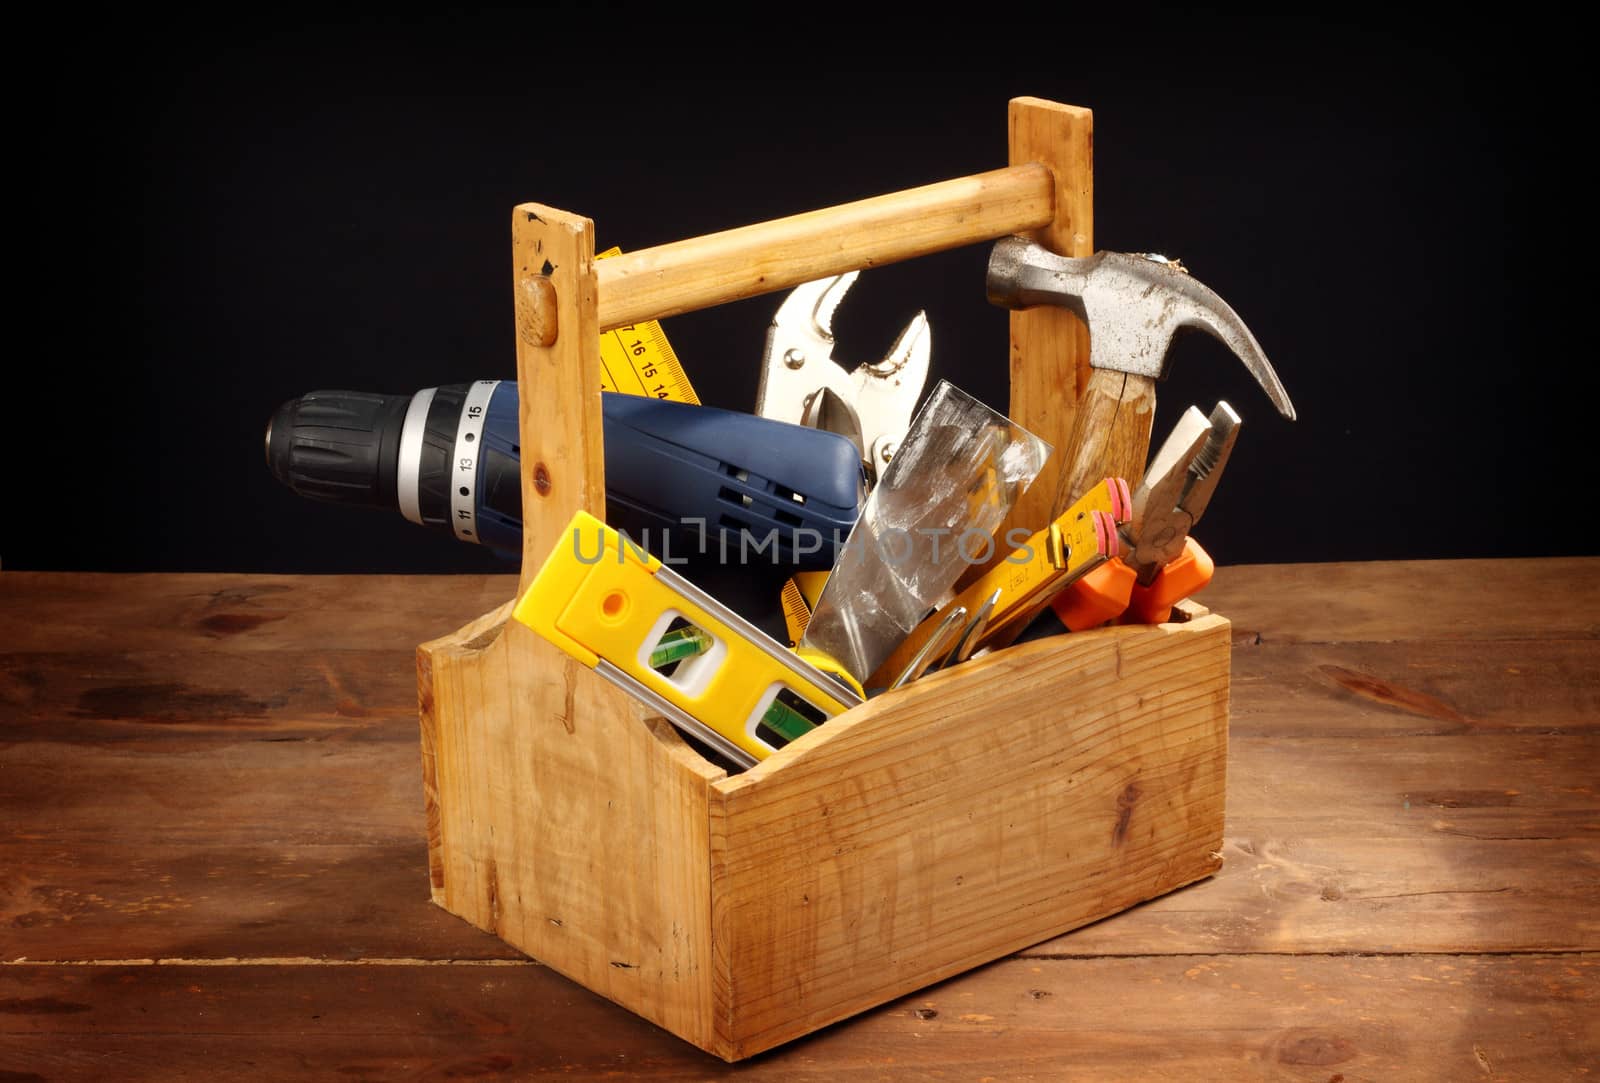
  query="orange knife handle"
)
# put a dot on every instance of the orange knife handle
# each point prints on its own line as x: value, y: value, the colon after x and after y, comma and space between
x: 1175, y: 581
x: 1095, y: 598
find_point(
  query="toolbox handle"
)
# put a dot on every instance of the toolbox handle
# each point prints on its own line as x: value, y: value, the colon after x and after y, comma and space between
x: 701, y: 272
x: 565, y: 298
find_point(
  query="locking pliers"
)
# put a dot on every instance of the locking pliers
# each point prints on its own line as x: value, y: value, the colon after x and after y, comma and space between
x: 801, y: 383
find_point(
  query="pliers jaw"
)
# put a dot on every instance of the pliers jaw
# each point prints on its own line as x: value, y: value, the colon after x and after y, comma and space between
x: 887, y: 392
x: 1177, y: 487
x: 801, y: 383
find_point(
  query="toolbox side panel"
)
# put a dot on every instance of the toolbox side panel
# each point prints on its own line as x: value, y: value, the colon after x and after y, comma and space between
x: 976, y: 812
x: 565, y: 823
x: 558, y: 818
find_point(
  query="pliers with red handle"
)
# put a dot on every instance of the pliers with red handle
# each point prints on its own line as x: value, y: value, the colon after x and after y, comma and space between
x: 1160, y: 563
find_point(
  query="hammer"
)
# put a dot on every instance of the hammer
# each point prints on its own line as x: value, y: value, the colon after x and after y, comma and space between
x: 1132, y: 305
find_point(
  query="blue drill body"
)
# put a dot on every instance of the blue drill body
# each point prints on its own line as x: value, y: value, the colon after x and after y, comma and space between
x: 682, y: 481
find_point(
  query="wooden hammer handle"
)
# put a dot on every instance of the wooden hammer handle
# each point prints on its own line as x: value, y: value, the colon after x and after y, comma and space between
x: 1110, y: 436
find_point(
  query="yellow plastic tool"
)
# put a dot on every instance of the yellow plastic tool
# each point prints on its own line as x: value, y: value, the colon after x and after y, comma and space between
x: 800, y: 594
x: 611, y: 606
x: 1080, y: 540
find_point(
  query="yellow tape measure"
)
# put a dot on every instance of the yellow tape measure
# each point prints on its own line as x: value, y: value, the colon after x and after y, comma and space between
x: 638, y: 360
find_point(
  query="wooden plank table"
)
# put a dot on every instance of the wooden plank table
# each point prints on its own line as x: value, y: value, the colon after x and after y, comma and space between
x: 213, y: 865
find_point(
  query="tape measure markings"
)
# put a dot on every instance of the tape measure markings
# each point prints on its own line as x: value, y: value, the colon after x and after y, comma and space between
x: 796, y: 613
x: 638, y: 360
x: 608, y: 380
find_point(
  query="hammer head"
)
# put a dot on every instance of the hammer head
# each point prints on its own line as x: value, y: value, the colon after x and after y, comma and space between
x: 1132, y: 305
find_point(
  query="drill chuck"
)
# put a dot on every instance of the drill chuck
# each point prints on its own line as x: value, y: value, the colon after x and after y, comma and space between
x: 338, y: 445
x: 445, y: 457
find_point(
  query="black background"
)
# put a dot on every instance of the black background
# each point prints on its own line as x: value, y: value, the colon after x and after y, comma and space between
x: 225, y: 220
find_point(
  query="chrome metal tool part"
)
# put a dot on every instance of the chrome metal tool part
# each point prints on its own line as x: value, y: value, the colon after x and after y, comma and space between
x: 803, y: 384
x: 1160, y: 562
x: 1177, y: 487
x: 972, y: 634
x: 1133, y: 306
x: 941, y: 642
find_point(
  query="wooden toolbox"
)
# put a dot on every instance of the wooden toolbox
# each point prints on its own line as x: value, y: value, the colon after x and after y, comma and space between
x: 976, y: 812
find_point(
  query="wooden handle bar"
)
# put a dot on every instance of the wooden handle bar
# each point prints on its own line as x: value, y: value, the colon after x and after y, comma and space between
x: 703, y: 271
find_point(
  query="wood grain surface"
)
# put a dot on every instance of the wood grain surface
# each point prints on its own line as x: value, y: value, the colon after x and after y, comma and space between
x: 1049, y: 346
x: 974, y: 813
x: 670, y: 279
x: 214, y: 859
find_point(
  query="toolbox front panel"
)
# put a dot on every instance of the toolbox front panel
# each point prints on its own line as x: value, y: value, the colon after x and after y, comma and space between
x: 974, y: 813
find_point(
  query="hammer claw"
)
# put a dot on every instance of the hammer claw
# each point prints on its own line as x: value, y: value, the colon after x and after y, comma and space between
x: 1132, y: 304
x: 1200, y: 307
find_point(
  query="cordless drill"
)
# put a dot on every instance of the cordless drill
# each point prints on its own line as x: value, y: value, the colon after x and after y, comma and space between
x: 745, y: 501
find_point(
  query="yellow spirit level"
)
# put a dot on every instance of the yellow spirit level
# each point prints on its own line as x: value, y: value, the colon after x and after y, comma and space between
x: 621, y: 612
